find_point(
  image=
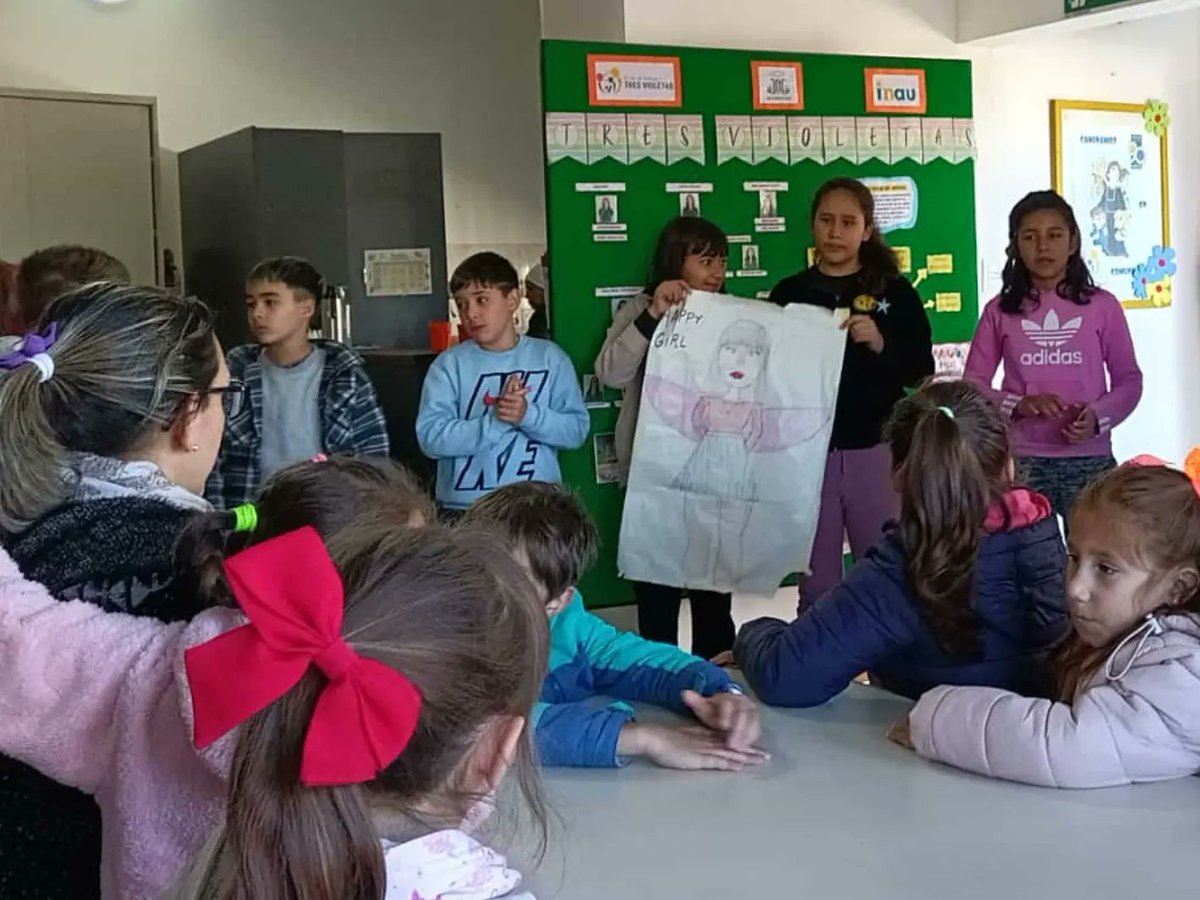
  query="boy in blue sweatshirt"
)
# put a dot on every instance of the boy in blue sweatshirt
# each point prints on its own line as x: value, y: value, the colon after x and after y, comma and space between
x: 555, y: 540
x: 497, y: 408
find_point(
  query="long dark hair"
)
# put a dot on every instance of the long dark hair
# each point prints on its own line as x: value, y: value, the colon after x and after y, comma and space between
x: 1156, y: 513
x: 950, y: 455
x: 682, y: 237
x: 1077, y: 284
x: 878, y: 262
x: 328, y: 496
x: 457, y: 616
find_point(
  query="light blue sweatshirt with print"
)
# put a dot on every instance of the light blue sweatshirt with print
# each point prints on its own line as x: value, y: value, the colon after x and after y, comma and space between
x: 475, y: 451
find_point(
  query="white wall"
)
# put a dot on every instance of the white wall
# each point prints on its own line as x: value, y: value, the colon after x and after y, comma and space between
x: 1013, y: 86
x: 982, y: 19
x: 465, y: 68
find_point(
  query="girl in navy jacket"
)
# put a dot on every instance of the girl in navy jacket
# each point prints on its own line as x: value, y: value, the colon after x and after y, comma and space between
x: 966, y: 589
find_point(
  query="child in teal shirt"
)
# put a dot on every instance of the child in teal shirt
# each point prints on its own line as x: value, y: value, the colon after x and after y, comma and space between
x: 555, y: 540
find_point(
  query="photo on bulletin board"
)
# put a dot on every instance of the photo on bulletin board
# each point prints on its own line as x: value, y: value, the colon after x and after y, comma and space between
x: 607, y: 209
x: 604, y: 452
x: 1109, y: 160
x: 593, y: 392
x: 689, y: 205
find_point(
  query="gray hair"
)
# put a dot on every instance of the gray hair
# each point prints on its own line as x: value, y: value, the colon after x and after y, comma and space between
x: 127, y: 361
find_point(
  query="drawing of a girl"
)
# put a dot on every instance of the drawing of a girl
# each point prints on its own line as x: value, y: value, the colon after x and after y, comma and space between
x: 730, y: 421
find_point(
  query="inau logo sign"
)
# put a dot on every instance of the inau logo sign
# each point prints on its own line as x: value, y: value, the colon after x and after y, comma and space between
x: 896, y: 91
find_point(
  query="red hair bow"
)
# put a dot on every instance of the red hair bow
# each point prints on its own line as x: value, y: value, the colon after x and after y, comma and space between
x: 292, y: 594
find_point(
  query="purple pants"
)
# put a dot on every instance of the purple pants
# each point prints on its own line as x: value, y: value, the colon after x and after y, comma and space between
x: 857, y: 500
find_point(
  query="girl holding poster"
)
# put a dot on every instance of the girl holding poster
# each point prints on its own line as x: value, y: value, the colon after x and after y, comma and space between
x: 889, y: 347
x: 692, y: 255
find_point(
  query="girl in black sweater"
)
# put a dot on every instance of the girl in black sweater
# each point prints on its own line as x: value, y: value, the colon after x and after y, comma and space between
x: 888, y: 348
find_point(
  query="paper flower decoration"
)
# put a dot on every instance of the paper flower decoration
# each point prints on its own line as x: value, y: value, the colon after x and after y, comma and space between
x: 1162, y: 259
x: 1141, y: 283
x: 1158, y: 116
x: 1160, y: 292
x: 1191, y: 467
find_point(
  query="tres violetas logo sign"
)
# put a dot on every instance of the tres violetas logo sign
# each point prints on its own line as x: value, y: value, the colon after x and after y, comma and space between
x: 896, y: 91
x: 634, y: 80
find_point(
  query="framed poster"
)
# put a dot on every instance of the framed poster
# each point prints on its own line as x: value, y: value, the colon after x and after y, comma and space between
x: 1109, y: 160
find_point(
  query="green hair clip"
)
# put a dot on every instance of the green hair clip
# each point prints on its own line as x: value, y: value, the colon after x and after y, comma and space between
x: 245, y: 517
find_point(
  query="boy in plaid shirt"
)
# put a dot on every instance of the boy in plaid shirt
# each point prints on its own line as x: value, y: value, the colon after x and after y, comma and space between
x: 303, y: 397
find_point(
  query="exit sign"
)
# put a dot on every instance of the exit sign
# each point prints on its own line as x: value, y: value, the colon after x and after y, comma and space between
x: 1078, y: 6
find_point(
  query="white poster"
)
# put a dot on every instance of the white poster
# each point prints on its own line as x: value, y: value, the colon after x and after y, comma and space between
x: 736, y: 415
x: 1112, y: 174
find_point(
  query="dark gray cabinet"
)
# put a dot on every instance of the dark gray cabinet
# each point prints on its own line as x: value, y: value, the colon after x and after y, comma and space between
x: 328, y: 196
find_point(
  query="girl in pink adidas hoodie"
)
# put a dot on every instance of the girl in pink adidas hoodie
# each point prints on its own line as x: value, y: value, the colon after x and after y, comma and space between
x: 1070, y: 372
x: 101, y: 701
x: 1128, y: 680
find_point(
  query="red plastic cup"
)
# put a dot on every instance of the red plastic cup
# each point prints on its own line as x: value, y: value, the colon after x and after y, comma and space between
x: 439, y: 336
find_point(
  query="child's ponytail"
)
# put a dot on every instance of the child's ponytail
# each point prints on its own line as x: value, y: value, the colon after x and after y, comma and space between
x: 283, y: 840
x: 950, y: 452
x: 457, y: 618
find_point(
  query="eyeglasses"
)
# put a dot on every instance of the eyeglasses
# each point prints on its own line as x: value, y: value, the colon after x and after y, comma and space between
x: 233, y: 396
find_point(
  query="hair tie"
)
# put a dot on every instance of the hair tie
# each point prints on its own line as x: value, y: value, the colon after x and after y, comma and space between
x: 1191, y: 466
x: 245, y: 517
x: 320, y: 458
x: 947, y: 412
x: 292, y: 594
x: 33, y: 349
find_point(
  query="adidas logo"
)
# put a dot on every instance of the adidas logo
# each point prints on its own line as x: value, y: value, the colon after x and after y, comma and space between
x: 1051, y: 335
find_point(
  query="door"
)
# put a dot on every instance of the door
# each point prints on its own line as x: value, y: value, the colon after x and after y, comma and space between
x: 79, y: 171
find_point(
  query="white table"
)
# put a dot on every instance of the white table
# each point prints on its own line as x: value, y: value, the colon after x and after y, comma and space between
x: 841, y: 814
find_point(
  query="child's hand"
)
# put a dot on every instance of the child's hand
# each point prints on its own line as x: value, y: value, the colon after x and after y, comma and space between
x: 668, y: 294
x: 863, y: 330
x: 512, y: 405
x: 900, y: 733
x: 724, y: 659
x: 685, y: 747
x: 734, y: 715
x: 1085, y: 426
x: 1041, y: 406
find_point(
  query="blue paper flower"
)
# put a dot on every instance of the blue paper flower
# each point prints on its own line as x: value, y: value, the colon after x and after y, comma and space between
x: 1141, y: 282
x: 1162, y: 262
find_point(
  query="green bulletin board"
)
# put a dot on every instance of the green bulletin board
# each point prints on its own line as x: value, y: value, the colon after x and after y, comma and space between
x: 634, y: 134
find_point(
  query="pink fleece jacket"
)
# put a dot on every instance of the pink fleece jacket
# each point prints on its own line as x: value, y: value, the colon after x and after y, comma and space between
x: 1058, y: 347
x: 98, y: 701
x: 1136, y: 719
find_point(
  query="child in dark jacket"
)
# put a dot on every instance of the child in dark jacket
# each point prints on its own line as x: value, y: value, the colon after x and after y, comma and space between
x: 304, y: 398
x: 967, y: 589
x: 554, y: 539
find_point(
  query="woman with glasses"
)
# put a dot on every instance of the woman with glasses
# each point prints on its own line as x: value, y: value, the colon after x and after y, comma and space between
x: 111, y: 416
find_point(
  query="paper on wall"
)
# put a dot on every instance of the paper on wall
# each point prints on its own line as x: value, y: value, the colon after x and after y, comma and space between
x: 736, y: 416
x: 647, y: 137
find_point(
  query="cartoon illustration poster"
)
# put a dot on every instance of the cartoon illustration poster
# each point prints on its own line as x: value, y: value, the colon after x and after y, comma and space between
x: 737, y: 410
x: 1111, y: 173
